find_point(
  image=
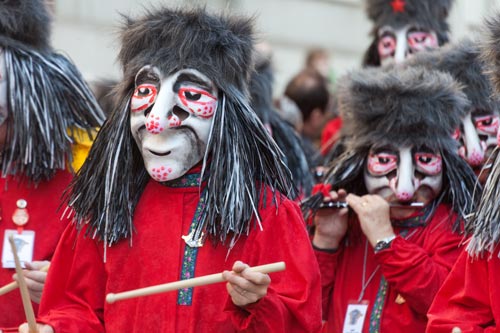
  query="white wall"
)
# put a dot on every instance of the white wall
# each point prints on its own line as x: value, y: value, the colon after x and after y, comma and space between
x: 86, y: 30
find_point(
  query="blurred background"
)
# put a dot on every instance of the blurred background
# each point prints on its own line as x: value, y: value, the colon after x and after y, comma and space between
x: 86, y: 30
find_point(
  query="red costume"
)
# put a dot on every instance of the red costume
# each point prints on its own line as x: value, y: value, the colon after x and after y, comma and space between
x: 43, y: 202
x: 79, y: 279
x: 469, y: 298
x: 406, y: 278
x: 330, y: 135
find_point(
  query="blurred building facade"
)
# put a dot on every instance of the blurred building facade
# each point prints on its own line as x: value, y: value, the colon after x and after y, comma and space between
x: 86, y: 30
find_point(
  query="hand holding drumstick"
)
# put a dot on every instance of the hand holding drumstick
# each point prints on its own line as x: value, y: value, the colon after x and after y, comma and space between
x: 245, y: 286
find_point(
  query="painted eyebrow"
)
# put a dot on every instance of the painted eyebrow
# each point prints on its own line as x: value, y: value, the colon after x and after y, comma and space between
x: 147, y: 76
x: 187, y: 77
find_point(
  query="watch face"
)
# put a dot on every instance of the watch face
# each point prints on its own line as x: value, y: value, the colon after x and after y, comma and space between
x: 382, y: 245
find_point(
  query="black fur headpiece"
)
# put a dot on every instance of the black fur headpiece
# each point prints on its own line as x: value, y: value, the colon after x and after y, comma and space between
x: 241, y: 156
x: 172, y: 40
x: 405, y: 107
x: 423, y: 14
x: 463, y: 61
x: 47, y: 98
x: 26, y: 22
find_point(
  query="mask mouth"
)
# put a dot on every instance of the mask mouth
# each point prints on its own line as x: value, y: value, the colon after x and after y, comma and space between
x: 160, y: 154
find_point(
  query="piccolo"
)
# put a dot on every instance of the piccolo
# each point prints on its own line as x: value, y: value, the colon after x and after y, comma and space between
x: 343, y: 204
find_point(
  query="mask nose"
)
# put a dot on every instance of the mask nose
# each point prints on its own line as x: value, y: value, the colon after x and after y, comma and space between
x: 164, y: 114
x: 472, y: 151
x: 401, y: 51
x: 403, y: 184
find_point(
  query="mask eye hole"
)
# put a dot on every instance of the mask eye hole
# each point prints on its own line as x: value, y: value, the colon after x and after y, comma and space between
x: 386, y: 45
x: 144, y: 96
x: 421, y: 40
x: 486, y: 124
x: 380, y: 164
x: 191, y: 96
x: 428, y: 163
x: 198, y: 101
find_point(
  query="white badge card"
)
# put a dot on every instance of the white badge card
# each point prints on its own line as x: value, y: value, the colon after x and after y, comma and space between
x: 24, y: 241
x: 355, y: 317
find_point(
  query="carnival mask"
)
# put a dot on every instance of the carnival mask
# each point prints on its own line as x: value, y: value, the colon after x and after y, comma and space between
x: 398, y: 44
x: 404, y: 175
x: 171, y: 118
x: 478, y: 138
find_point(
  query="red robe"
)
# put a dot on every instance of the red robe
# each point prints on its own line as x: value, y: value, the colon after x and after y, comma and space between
x: 413, y: 269
x: 44, y: 219
x: 330, y: 135
x: 469, y: 298
x: 79, y: 279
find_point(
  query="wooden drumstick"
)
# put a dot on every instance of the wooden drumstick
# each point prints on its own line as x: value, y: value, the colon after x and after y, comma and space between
x: 189, y: 283
x: 13, y: 285
x: 23, y: 288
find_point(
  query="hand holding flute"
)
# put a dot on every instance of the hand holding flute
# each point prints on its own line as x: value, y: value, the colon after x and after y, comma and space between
x: 331, y: 224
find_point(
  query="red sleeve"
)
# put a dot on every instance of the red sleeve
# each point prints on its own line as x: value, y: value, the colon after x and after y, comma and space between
x: 293, y: 301
x: 327, y: 264
x: 73, y: 295
x: 330, y: 134
x: 464, y: 300
x: 416, y: 272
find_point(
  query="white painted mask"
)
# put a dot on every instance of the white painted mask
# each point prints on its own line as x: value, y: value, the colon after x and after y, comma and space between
x: 398, y: 44
x: 477, y: 137
x: 404, y: 175
x: 170, y: 120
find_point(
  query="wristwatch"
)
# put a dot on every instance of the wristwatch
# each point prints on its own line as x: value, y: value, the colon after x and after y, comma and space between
x: 383, y: 243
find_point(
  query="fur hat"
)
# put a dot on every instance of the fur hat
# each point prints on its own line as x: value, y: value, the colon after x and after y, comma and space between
x: 463, y: 61
x: 427, y: 14
x: 171, y: 40
x: 244, y: 157
x: 491, y: 50
x: 424, y: 14
x: 26, y: 22
x: 411, y: 106
x: 385, y: 107
x: 43, y: 88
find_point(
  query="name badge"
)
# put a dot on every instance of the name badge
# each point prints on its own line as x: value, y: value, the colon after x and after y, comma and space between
x: 355, y: 317
x: 24, y: 241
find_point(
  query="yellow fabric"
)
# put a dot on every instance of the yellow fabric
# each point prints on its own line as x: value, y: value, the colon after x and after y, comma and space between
x: 81, y: 147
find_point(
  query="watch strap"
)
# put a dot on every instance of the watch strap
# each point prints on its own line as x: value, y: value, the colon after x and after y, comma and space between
x: 383, y: 243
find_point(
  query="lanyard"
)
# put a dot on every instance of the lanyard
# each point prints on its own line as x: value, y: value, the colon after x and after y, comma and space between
x: 364, y: 282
